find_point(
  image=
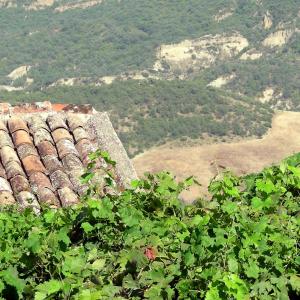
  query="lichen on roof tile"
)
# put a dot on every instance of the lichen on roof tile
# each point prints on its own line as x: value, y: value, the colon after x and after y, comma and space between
x: 38, y: 180
x: 13, y: 169
x: 27, y: 199
x: 5, y: 139
x: 35, y: 122
x: 21, y: 137
x: 67, y: 197
x: 72, y: 162
x: 65, y: 147
x: 6, y: 198
x: 59, y: 180
x: 55, y: 121
x: 75, y: 121
x: 16, y: 123
x: 26, y: 150
x: 41, y: 135
x: 84, y: 148
x: 52, y: 163
x: 46, y: 148
x: 3, y: 126
x: 61, y: 134
x: 19, y: 183
x: 4, y: 185
x: 33, y: 164
x: 8, y: 154
x: 46, y: 196
x: 80, y: 134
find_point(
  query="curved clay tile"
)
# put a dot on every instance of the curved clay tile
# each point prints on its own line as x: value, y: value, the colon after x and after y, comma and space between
x: 13, y: 169
x: 84, y: 148
x: 21, y: 137
x: 38, y: 180
x: 46, y: 196
x: 3, y: 126
x: 52, y: 163
x: 15, y: 123
x: 8, y: 154
x: 55, y: 121
x: 33, y: 164
x: 46, y: 148
x: 36, y: 122
x: 2, y: 171
x: 75, y: 178
x: 80, y: 134
x: 26, y: 150
x: 5, y: 139
x: 67, y: 197
x: 6, y: 198
x: 19, y: 183
x: 42, y: 135
x: 75, y: 121
x: 65, y: 147
x: 61, y: 134
x: 27, y: 199
x: 4, y: 185
x: 72, y: 162
x: 60, y: 180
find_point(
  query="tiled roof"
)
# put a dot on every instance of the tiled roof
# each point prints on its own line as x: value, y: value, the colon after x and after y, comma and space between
x: 44, y: 148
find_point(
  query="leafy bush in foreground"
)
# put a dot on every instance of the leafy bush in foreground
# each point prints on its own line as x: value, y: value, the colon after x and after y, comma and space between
x: 144, y: 243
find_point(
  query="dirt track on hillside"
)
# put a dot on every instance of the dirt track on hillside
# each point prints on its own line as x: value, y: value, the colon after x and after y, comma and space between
x: 204, y: 161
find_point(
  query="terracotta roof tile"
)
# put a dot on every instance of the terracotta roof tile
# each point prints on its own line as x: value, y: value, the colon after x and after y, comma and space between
x: 84, y: 148
x: 80, y: 134
x: 33, y: 164
x: 46, y: 148
x: 27, y: 199
x: 26, y: 150
x: 38, y: 180
x: 4, y: 185
x: 35, y: 123
x: 55, y: 121
x: 61, y: 134
x: 13, y: 169
x: 6, y: 198
x: 65, y: 147
x: 52, y: 163
x: 75, y: 121
x: 3, y: 126
x: 2, y: 171
x: 72, y: 162
x: 46, y: 196
x: 20, y: 183
x: 67, y: 197
x: 8, y: 154
x: 21, y: 137
x: 41, y: 135
x: 15, y: 123
x: 59, y: 180
x: 5, y: 139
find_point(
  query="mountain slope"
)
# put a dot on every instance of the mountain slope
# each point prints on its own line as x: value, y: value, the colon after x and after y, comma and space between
x: 105, y: 51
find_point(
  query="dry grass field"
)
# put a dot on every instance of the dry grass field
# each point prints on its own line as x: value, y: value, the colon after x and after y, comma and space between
x: 205, y: 161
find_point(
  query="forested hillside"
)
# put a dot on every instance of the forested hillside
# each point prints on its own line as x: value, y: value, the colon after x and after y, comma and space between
x: 164, y: 69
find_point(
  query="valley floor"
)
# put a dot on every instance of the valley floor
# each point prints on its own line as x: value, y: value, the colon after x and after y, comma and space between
x: 206, y: 161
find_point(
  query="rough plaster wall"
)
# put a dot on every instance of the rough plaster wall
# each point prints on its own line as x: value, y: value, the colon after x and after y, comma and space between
x: 101, y: 129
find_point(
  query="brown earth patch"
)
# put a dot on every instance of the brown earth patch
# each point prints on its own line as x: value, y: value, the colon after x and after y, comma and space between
x: 244, y: 157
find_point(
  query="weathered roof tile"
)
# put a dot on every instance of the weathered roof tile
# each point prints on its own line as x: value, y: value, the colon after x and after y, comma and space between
x: 46, y: 196
x: 26, y: 150
x: 84, y: 148
x: 59, y: 179
x: 4, y: 185
x: 55, y: 121
x: 38, y: 180
x: 36, y: 122
x: 33, y: 164
x: 13, y: 169
x: 21, y: 137
x: 41, y: 135
x: 52, y: 163
x: 61, y: 134
x: 72, y: 162
x: 6, y: 198
x: 5, y: 139
x: 46, y: 148
x: 27, y: 199
x: 67, y: 197
x: 16, y: 123
x: 3, y: 126
x: 65, y: 147
x: 80, y: 134
x: 75, y: 121
x: 8, y: 154
x: 20, y: 183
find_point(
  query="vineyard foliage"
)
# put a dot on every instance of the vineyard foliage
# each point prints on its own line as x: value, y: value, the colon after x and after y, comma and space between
x: 145, y: 243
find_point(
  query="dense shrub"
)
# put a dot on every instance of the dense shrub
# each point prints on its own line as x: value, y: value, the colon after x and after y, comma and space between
x: 144, y: 243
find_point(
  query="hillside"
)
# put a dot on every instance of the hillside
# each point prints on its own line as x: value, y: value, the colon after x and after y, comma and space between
x: 160, y: 67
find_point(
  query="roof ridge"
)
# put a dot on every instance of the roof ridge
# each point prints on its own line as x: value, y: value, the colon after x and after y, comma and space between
x: 45, y: 106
